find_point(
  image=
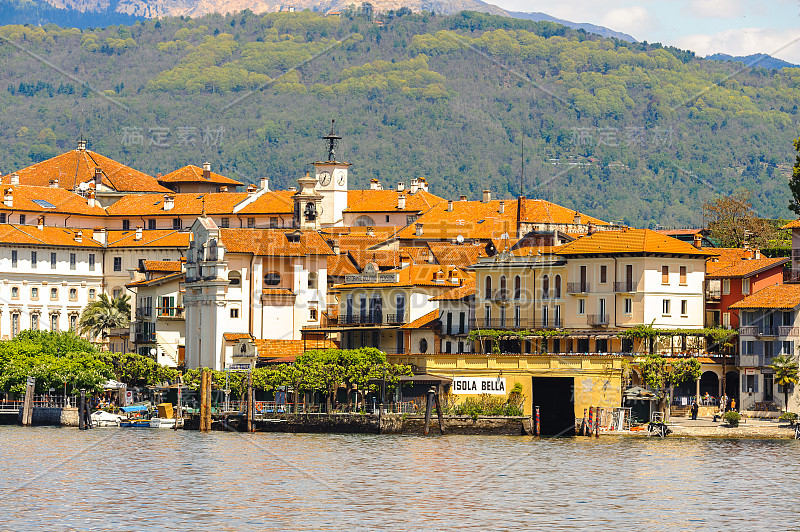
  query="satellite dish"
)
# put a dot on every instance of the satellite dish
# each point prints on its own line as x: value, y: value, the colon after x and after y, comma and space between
x: 460, y: 239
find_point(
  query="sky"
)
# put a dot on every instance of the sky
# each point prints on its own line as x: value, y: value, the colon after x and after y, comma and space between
x: 735, y: 27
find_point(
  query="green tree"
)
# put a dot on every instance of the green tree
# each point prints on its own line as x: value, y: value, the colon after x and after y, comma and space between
x: 786, y: 374
x: 732, y: 222
x: 794, y: 181
x: 662, y: 375
x: 105, y: 314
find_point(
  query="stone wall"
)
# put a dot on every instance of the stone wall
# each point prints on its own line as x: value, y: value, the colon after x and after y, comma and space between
x: 58, y: 417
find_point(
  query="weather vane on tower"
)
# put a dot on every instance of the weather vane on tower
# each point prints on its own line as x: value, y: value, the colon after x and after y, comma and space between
x: 332, y: 140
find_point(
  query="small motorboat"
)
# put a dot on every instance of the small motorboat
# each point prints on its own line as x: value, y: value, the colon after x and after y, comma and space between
x: 101, y: 418
x: 136, y: 417
x: 162, y: 423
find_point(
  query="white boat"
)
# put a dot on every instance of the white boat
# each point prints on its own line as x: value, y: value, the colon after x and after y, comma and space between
x: 162, y: 423
x: 101, y: 418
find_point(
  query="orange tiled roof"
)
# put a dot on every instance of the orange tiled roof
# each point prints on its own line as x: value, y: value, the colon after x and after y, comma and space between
x: 24, y: 198
x: 630, y: 241
x: 792, y: 225
x: 232, y: 337
x: 184, y: 204
x: 78, y: 166
x: 417, y: 275
x: 339, y: 265
x: 273, y: 242
x: 746, y: 268
x: 282, y: 348
x: 272, y: 202
x: 277, y: 292
x: 194, y: 174
x: 47, y: 236
x: 157, y: 238
x: 387, y: 258
x: 541, y: 211
x: 780, y: 296
x: 423, y: 322
x: 460, y: 292
x: 162, y: 265
x: 461, y: 255
x: 157, y: 280
x: 386, y: 201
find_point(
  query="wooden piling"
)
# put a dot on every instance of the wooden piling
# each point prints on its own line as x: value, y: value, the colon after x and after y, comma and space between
x: 27, y: 407
x: 538, y: 423
x: 428, y: 410
x: 590, y: 423
x: 582, y: 432
x: 439, y: 413
x: 250, y: 402
x: 82, y: 411
x: 205, y: 401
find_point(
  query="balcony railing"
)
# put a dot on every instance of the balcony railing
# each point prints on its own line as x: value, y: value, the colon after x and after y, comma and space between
x: 143, y: 312
x: 500, y: 295
x: 791, y: 276
x: 597, y: 319
x: 713, y: 293
x: 513, y: 324
x: 624, y: 286
x: 578, y: 288
x: 763, y: 330
x: 374, y: 319
x: 175, y: 313
x: 144, y: 338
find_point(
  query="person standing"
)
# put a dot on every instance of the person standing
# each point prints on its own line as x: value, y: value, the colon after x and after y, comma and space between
x: 695, y: 408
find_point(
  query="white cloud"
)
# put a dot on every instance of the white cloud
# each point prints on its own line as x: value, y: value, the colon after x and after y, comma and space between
x: 783, y: 44
x: 714, y: 8
x: 633, y: 19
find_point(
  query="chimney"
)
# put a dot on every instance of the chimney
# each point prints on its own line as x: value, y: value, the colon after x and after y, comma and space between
x: 53, y: 183
x: 401, y: 201
x: 79, y: 237
x: 90, y: 198
x: 401, y: 186
x: 223, y: 188
x: 414, y: 185
x: 169, y: 202
x: 15, y: 178
x: 487, y: 196
x: 419, y: 229
x: 449, y: 205
x: 335, y: 247
x: 100, y: 235
x: 374, y: 184
x: 502, y: 207
x: 556, y: 241
x: 370, y: 231
x: 8, y: 197
x: 592, y: 229
x: 462, y: 198
x: 207, y: 171
x: 698, y: 241
x: 40, y: 223
x: 757, y: 253
x: 138, y: 233
x: 454, y: 276
x: 81, y: 145
x: 405, y: 260
x: 251, y: 189
x: 576, y: 219
x: 423, y: 184
x: 438, y: 277
x: 98, y: 177
x: 264, y: 183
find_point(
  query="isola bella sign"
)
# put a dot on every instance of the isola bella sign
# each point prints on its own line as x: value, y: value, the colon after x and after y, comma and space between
x: 479, y: 385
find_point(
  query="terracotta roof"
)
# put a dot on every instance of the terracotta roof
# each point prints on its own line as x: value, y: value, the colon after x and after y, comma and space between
x: 680, y: 232
x: 746, y: 268
x: 277, y: 292
x: 460, y: 292
x: 339, y: 265
x: 47, y: 236
x: 157, y: 238
x: 162, y: 265
x: 232, y: 337
x: 387, y: 258
x: 423, y: 322
x: 78, y: 166
x: 462, y: 255
x: 367, y: 201
x: 417, y: 275
x: 630, y: 241
x: 541, y: 211
x: 282, y: 348
x: 158, y: 280
x: 792, y: 225
x: 183, y: 204
x: 273, y: 242
x: 45, y: 200
x: 781, y: 296
x: 272, y: 202
x: 194, y: 174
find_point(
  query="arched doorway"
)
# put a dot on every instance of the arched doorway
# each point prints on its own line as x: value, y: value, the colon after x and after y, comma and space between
x: 732, y: 386
x: 709, y: 384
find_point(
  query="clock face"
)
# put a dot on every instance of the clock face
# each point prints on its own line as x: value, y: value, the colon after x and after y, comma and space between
x: 324, y: 178
x: 340, y: 175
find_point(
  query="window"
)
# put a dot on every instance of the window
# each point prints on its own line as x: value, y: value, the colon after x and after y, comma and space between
x: 272, y: 278
x: 73, y: 321
x: 234, y: 313
x: 557, y: 287
x: 54, y: 294
x: 15, y: 324
x: 603, y: 274
x: 33, y: 260
x: 786, y: 348
x: 749, y: 347
x: 517, y: 287
x: 767, y: 351
x: 628, y: 305
x: 34, y: 293
x: 557, y: 316
x: 726, y: 287
x: 226, y: 222
x: 116, y: 293
x: 726, y: 320
x: 91, y: 262
x: 312, y: 314
x: 410, y: 219
x: 176, y: 223
x: 251, y: 222
x: 273, y: 222
x: 448, y: 346
x: 544, y: 317
x: 53, y: 261
x: 488, y: 288
x: 745, y: 287
x: 73, y: 294
x: 750, y: 383
x: 92, y: 294
x: 312, y: 281
x: 73, y: 259
x: 665, y: 275
x: 684, y: 307
x: 234, y: 278
x: 665, y: 307
x: 126, y: 225
x: 503, y: 286
x: 34, y: 322
x: 581, y: 306
x: 117, y: 264
x: 545, y: 287
x: 54, y: 322
x: 423, y: 345
x: 14, y: 292
x: 21, y: 219
x: 682, y: 279
x: 13, y: 258
x: 487, y: 315
x: 2, y: 217
x: 387, y: 219
x: 462, y: 321
x: 788, y: 319
x: 517, y: 316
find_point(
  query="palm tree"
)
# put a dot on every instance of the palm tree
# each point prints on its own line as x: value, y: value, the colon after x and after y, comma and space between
x: 786, y: 370
x: 105, y: 314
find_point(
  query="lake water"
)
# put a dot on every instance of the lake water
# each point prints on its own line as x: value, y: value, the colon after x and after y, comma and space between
x: 147, y: 479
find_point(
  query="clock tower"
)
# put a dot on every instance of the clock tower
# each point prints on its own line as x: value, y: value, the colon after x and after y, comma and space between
x: 332, y: 182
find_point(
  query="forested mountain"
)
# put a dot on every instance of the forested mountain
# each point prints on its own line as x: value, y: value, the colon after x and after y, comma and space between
x: 625, y: 131
x: 759, y: 60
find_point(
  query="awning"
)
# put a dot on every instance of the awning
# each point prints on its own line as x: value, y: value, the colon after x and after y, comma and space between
x: 113, y: 385
x: 135, y: 408
x: 423, y: 378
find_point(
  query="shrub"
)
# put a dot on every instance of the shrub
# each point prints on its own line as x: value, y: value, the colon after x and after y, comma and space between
x: 732, y: 418
x: 789, y: 416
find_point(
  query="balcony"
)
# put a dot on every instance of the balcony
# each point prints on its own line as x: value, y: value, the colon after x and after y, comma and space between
x: 144, y: 338
x: 500, y: 295
x: 143, y: 312
x: 752, y: 361
x: 763, y: 330
x: 374, y: 319
x: 624, y: 287
x: 597, y: 320
x: 713, y: 294
x: 170, y: 313
x: 791, y: 276
x: 512, y: 324
x: 578, y: 288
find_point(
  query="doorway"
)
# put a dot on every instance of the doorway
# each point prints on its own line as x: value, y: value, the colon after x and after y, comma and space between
x: 555, y: 398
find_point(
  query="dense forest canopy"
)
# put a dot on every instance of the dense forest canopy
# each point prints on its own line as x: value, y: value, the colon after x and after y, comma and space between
x: 630, y: 132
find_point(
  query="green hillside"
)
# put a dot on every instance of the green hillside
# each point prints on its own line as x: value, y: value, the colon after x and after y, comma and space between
x: 631, y: 132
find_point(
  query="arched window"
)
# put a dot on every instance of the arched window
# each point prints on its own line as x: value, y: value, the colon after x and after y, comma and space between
x: 312, y: 281
x: 546, y: 287
x: 423, y: 345
x: 558, y: 287
x: 234, y: 278
x: 488, y: 283
x: 517, y: 287
x: 364, y: 221
x: 272, y: 278
x: 503, y: 287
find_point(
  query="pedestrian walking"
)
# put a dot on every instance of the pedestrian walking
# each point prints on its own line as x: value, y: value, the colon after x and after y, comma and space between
x: 695, y: 408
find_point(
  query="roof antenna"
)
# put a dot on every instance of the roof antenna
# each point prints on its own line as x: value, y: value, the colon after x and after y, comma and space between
x: 203, y: 212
